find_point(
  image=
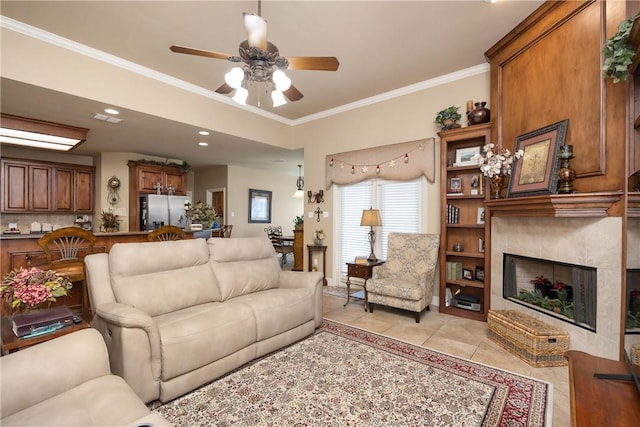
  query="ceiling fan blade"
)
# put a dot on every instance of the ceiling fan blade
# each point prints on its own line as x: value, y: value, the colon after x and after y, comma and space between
x: 199, y: 52
x: 293, y: 94
x: 256, y: 27
x: 224, y: 89
x: 321, y: 63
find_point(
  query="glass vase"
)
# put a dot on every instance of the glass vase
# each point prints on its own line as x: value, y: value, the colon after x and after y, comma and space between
x: 497, y: 182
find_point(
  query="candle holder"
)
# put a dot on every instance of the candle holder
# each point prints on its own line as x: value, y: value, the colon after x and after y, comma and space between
x: 315, y: 197
x: 566, y: 175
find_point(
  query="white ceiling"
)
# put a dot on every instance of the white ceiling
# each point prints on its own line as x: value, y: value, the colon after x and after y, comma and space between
x: 382, y: 46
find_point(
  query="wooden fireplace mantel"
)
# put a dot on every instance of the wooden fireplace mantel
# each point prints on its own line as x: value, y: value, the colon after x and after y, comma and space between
x: 556, y: 205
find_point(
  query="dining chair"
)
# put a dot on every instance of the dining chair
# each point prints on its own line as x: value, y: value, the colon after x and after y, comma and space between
x: 65, y: 249
x: 275, y: 235
x: 166, y: 232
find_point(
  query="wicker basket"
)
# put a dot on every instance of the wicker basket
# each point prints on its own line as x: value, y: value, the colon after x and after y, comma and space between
x: 635, y: 354
x: 537, y: 343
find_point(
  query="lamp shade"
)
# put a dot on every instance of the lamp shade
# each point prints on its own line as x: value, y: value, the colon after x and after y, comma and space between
x: 371, y: 218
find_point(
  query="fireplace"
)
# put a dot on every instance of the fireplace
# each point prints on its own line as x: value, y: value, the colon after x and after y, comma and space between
x: 564, y: 291
x: 582, y: 242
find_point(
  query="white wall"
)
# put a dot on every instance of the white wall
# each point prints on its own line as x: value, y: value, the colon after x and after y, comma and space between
x: 283, y: 207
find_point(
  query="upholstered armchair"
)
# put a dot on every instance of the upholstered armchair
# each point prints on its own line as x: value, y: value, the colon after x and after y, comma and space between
x: 407, y: 278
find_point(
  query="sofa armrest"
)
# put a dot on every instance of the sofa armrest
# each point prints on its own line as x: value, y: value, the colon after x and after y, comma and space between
x: 38, y: 373
x: 300, y: 279
x: 306, y: 279
x: 133, y: 342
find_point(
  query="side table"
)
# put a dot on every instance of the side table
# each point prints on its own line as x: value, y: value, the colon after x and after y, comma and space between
x: 11, y: 343
x: 362, y: 271
x: 323, y: 249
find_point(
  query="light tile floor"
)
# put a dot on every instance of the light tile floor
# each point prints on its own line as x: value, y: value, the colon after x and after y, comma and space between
x: 452, y: 335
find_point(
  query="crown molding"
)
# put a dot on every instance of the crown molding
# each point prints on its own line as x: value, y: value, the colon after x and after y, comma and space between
x: 53, y: 39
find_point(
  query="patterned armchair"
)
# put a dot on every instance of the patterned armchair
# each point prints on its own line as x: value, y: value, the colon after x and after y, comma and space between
x: 407, y: 278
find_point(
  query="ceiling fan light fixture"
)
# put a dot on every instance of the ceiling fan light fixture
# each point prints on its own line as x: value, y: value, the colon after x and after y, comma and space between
x: 281, y: 81
x: 234, y: 77
x: 241, y: 96
x: 278, y: 98
x: 256, y: 27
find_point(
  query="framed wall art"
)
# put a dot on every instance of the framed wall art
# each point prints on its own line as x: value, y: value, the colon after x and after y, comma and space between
x: 464, y: 156
x: 259, y: 206
x: 537, y: 171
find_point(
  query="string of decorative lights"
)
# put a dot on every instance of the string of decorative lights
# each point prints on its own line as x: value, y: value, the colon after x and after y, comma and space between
x: 364, y: 168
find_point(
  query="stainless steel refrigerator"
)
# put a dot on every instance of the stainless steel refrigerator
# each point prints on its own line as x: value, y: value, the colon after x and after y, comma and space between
x: 157, y: 210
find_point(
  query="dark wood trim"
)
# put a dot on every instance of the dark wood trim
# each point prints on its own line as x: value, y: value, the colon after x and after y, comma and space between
x: 556, y: 205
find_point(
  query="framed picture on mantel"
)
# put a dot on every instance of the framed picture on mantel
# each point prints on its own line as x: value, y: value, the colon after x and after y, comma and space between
x: 537, y: 171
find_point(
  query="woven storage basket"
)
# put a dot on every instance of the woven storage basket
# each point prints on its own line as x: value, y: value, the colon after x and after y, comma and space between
x: 635, y: 354
x: 532, y: 340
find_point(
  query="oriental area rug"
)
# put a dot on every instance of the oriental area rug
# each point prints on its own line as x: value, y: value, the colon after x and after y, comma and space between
x: 344, y: 376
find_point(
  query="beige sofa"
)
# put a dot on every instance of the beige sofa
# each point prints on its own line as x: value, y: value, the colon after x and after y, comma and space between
x: 66, y: 382
x: 178, y: 314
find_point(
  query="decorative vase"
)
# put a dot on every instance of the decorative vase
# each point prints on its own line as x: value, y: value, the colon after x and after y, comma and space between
x: 479, y: 115
x: 497, y: 182
x: 318, y: 242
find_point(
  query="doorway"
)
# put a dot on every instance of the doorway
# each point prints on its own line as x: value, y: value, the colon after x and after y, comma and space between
x: 216, y: 197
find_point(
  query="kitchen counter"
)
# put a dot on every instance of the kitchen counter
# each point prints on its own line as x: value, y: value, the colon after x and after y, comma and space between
x: 12, y: 236
x: 22, y: 250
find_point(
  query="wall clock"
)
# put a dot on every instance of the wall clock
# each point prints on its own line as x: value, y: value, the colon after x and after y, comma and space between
x: 113, y: 185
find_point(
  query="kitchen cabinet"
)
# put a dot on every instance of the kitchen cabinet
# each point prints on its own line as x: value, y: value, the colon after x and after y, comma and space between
x: 149, y: 177
x: 152, y: 179
x: 35, y: 187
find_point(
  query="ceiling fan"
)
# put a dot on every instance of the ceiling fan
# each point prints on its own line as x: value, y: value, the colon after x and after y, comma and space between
x: 262, y: 63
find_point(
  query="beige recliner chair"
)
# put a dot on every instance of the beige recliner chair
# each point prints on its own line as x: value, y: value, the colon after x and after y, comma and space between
x: 406, y: 279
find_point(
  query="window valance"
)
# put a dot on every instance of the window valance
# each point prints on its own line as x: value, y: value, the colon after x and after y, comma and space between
x: 403, y: 161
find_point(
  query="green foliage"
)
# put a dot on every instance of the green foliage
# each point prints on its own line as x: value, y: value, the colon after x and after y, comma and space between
x: 558, y: 306
x: 299, y: 220
x: 449, y: 113
x: 618, y: 53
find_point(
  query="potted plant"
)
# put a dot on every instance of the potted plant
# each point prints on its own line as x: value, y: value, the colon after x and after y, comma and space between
x: 201, y: 213
x: 298, y: 222
x: 110, y: 221
x: 448, y: 118
x: 618, y: 52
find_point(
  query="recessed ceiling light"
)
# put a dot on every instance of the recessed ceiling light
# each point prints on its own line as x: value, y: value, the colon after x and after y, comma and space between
x: 111, y: 111
x: 203, y: 144
x: 203, y: 132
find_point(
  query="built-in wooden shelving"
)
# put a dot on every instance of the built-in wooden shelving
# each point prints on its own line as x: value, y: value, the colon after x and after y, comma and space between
x: 556, y: 205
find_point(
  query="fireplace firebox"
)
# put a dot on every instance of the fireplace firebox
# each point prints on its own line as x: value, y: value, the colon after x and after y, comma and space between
x: 565, y: 291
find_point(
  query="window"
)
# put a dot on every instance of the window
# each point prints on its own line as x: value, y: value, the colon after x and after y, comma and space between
x: 399, y: 204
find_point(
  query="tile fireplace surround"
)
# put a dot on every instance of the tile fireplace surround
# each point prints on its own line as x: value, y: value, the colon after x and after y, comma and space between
x: 582, y: 241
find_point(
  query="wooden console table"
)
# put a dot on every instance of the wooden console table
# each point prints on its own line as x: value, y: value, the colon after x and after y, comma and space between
x: 11, y: 343
x: 362, y: 271
x: 601, y: 402
x: 323, y: 249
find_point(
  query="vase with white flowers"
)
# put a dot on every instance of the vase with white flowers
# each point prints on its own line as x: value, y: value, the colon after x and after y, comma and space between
x: 496, y: 164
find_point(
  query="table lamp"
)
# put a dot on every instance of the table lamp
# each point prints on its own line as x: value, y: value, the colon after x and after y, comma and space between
x: 371, y: 218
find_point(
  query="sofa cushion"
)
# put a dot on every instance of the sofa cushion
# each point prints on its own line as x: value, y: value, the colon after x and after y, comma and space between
x: 243, y: 265
x: 198, y: 335
x: 279, y: 310
x: 153, y: 276
x: 106, y: 400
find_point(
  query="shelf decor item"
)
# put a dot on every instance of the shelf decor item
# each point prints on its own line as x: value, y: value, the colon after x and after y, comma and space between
x: 566, y: 174
x: 201, y: 213
x: 479, y: 115
x: 27, y: 289
x: 448, y: 118
x: 618, y: 53
x: 537, y: 173
x: 110, y: 221
x: 318, y: 237
x: 497, y: 166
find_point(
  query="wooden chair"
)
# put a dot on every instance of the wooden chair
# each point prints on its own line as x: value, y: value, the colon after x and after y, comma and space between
x: 65, y: 250
x: 225, y: 230
x: 275, y: 235
x: 166, y: 232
